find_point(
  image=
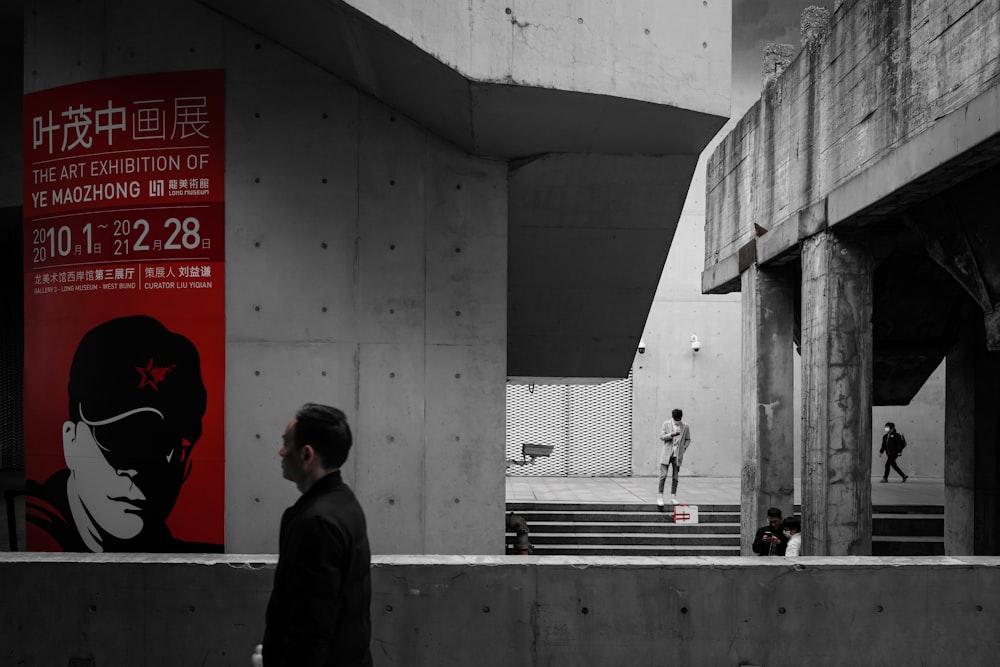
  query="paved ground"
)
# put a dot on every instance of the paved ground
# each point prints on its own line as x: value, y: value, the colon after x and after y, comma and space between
x: 694, y: 490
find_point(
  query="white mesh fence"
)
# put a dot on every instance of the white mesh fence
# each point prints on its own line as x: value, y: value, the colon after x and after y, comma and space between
x: 588, y: 425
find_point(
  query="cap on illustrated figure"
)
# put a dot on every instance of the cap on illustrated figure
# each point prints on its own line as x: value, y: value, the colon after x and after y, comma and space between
x: 136, y: 366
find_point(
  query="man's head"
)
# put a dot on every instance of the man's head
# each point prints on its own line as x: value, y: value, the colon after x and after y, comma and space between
x: 316, y: 442
x: 889, y: 427
x: 792, y: 525
x: 136, y: 401
x: 774, y: 518
x: 676, y: 414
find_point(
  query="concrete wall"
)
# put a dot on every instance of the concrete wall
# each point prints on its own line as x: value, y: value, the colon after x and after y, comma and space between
x: 674, y: 53
x: 922, y: 422
x: 705, y: 385
x: 366, y: 268
x: 145, y: 610
x: 886, y: 72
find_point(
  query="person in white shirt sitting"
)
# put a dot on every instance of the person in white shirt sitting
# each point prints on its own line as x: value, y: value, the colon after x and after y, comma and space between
x: 792, y: 527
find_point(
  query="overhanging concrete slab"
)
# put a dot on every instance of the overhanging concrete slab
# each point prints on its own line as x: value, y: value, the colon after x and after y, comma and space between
x: 589, y: 235
x: 498, y: 117
x: 590, y: 228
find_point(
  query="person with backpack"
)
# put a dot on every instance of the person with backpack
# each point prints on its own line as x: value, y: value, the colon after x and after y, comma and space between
x: 893, y: 444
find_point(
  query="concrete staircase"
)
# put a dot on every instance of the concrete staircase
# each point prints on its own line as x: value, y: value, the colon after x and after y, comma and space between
x: 605, y: 529
x: 907, y: 530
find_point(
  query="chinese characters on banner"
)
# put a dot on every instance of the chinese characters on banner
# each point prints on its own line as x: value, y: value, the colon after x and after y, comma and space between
x: 125, y: 314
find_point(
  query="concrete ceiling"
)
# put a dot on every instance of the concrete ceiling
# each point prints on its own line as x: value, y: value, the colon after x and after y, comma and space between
x: 917, y: 310
x: 589, y: 234
x: 946, y: 270
x: 941, y: 268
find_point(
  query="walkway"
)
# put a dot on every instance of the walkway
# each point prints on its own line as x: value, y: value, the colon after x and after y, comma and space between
x: 694, y: 490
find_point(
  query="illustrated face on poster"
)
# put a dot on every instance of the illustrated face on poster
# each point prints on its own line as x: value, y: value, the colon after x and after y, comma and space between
x: 136, y: 401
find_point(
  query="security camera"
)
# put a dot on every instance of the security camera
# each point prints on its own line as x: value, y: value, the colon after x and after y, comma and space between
x: 642, y: 346
x: 695, y: 343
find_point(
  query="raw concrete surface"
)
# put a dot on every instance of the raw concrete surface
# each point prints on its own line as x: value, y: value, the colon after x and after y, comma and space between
x: 856, y: 120
x: 366, y: 267
x: 153, y: 610
x: 837, y: 383
x: 674, y: 54
x: 767, y: 443
x: 603, y: 83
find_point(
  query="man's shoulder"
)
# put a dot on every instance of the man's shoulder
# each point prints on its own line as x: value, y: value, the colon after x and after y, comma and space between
x: 331, y: 504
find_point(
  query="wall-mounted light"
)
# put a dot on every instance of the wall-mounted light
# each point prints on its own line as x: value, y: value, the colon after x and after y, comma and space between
x: 695, y: 343
x: 642, y: 346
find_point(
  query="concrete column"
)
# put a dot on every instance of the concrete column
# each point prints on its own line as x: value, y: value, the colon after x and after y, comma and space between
x: 959, y: 449
x: 836, y: 396
x: 986, y: 467
x: 768, y: 393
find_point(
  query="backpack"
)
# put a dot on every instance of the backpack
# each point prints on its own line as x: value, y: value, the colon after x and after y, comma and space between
x: 902, y: 442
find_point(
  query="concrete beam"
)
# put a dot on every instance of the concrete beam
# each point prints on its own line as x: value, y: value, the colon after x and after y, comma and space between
x: 722, y: 277
x: 782, y: 238
x: 963, y: 140
x: 773, y: 244
x: 837, y: 396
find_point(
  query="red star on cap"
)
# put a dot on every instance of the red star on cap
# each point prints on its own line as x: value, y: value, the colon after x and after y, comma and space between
x: 152, y: 375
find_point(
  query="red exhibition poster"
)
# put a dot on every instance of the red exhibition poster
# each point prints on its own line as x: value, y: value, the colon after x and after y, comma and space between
x: 124, y: 300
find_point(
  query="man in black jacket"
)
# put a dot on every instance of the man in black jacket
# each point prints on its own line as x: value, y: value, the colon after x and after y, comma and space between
x: 769, y: 540
x: 318, y: 615
x: 893, y: 443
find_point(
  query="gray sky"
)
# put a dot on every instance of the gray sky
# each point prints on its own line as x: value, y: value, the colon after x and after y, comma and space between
x: 756, y: 23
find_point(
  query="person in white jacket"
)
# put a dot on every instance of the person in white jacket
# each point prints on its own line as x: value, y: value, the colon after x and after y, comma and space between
x: 676, y: 437
x: 792, y: 527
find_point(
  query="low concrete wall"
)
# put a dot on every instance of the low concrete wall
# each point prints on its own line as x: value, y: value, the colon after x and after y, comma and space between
x: 492, y: 610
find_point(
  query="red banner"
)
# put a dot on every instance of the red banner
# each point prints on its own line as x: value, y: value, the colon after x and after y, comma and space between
x: 124, y: 397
